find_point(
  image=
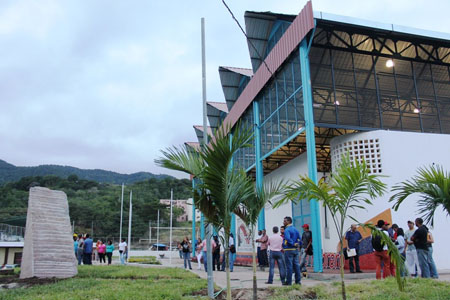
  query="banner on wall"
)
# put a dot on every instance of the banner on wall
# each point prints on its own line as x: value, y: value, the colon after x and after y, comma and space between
x: 243, y: 237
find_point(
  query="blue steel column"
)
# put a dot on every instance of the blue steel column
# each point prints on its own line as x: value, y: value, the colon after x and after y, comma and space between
x: 233, y: 216
x: 311, y: 152
x: 258, y: 162
x: 194, y: 238
x: 202, y: 226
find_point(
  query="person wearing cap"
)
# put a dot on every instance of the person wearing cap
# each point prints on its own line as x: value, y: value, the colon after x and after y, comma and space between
x: 306, y: 248
x: 381, y: 255
x: 291, y: 242
x: 412, y: 261
x: 353, y: 238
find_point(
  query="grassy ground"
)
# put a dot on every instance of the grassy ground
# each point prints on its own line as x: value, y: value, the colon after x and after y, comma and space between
x: 416, y: 289
x: 152, y: 260
x: 116, y: 282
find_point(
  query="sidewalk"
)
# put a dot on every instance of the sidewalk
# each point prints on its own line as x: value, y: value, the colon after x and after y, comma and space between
x: 242, y: 277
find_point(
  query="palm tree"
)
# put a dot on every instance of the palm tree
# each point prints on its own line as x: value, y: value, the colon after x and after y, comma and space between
x: 350, y: 187
x: 222, y: 185
x: 249, y: 211
x: 433, y: 186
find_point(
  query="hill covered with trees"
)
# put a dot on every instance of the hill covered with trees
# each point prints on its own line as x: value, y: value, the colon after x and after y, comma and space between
x: 10, y: 173
x: 97, y: 205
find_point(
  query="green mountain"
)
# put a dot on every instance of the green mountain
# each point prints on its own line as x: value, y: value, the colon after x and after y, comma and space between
x: 10, y: 173
x: 95, y: 207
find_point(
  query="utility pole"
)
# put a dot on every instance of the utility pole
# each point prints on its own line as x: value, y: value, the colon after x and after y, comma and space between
x: 170, y: 234
x: 149, y: 234
x: 121, y: 215
x: 205, y: 143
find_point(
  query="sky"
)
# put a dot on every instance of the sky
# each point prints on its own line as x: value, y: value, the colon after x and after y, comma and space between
x: 108, y: 84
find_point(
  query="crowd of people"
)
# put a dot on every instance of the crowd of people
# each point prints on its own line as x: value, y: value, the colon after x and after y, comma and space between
x: 85, y: 250
x: 415, y: 246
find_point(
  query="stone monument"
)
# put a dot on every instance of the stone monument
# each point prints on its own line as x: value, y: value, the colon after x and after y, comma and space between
x: 48, y: 249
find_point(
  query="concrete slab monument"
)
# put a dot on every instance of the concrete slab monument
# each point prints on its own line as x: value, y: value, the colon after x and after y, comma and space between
x: 48, y: 249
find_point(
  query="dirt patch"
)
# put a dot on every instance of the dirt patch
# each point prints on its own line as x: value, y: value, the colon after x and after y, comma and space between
x: 9, y: 282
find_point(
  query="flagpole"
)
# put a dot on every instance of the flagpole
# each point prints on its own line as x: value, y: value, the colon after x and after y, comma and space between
x: 170, y: 238
x: 121, y: 215
x: 129, y: 225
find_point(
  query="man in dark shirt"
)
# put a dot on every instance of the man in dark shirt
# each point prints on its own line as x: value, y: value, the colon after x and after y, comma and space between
x: 353, y: 238
x: 306, y: 247
x: 87, y: 256
x: 420, y: 242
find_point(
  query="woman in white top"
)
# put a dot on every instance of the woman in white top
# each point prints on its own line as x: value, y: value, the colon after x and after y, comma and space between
x: 400, y: 243
x: 198, y: 253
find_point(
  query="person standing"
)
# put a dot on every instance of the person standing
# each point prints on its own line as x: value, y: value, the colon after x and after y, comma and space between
x: 101, y: 250
x: 400, y: 244
x: 306, y: 248
x: 109, y: 251
x: 275, y: 245
x: 198, y: 252
x: 420, y: 242
x: 80, y: 250
x: 258, y: 250
x: 186, y: 248
x: 263, y: 252
x: 216, y: 254
x: 204, y: 253
x: 430, y: 241
x: 75, y: 244
x: 381, y: 253
x: 353, y: 238
x: 291, y: 242
x: 412, y: 261
x: 123, y: 247
x: 231, y: 254
x: 87, y: 255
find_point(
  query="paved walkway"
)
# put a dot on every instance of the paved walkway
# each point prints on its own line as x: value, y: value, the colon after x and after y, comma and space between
x: 242, y: 277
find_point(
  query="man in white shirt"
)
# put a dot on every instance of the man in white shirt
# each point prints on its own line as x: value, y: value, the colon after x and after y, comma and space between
x: 412, y: 261
x: 123, y: 247
x: 275, y: 244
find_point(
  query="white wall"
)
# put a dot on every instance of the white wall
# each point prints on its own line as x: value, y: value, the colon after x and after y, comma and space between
x: 292, y: 170
x: 402, y: 153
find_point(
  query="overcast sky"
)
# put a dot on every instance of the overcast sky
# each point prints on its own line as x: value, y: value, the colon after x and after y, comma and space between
x: 107, y: 84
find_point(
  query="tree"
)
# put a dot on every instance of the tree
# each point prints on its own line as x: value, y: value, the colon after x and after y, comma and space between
x: 433, y: 186
x: 249, y: 211
x: 222, y: 185
x: 350, y: 187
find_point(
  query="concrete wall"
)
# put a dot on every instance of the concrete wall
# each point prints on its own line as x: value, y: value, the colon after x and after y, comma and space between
x: 401, y: 154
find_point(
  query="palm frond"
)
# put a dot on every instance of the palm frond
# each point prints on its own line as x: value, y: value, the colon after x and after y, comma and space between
x: 182, y: 159
x: 433, y: 186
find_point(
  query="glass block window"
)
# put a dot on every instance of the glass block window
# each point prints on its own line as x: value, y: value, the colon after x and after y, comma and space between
x: 367, y: 150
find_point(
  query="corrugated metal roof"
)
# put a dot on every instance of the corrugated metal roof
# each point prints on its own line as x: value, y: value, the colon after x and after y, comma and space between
x: 193, y: 145
x: 258, y: 26
x: 230, y: 78
x: 216, y: 112
x: 290, y: 40
x: 199, y: 132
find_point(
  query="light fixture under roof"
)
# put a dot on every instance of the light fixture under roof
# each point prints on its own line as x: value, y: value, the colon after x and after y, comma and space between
x: 389, y: 63
x: 416, y: 110
x: 337, y: 102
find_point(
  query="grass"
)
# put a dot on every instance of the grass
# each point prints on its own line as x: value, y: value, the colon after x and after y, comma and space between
x: 144, y: 260
x: 116, y: 282
x: 416, y: 289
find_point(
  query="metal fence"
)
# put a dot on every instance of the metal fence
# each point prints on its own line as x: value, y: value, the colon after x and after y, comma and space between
x: 10, y: 233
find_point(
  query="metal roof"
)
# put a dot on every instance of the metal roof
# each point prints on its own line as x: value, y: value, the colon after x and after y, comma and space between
x: 193, y: 145
x: 216, y: 112
x: 258, y: 26
x: 230, y: 78
x: 199, y: 132
x: 427, y: 34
